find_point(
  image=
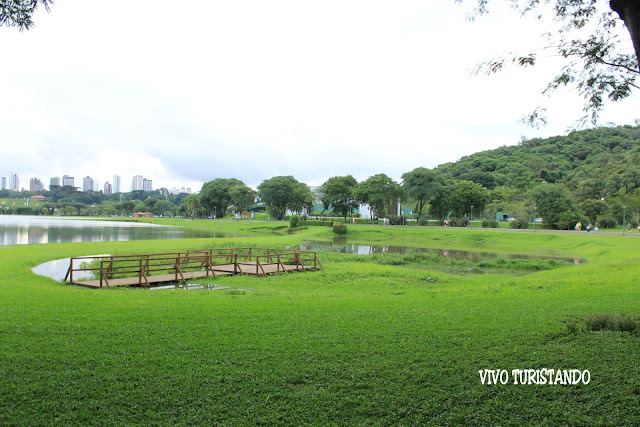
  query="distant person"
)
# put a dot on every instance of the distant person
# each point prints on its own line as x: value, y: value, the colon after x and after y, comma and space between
x: 638, y: 228
x: 589, y: 228
x: 446, y: 222
x: 596, y: 228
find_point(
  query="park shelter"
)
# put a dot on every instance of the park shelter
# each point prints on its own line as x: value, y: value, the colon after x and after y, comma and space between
x: 502, y: 216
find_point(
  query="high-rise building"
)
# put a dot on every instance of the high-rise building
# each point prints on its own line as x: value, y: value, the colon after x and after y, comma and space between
x: 137, y: 183
x: 108, y: 189
x: 3, y: 183
x: 147, y: 184
x: 68, y: 181
x: 55, y: 181
x: 35, y: 185
x: 14, y: 182
x: 87, y: 184
x: 116, y: 184
x: 180, y: 190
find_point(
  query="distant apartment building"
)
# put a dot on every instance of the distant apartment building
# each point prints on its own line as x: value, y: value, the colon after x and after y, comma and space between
x: 108, y: 189
x: 14, y: 182
x: 137, y: 183
x: 180, y: 190
x: 54, y: 182
x: 87, y: 184
x: 147, y: 185
x: 35, y: 185
x: 3, y: 183
x: 68, y: 181
x: 116, y: 184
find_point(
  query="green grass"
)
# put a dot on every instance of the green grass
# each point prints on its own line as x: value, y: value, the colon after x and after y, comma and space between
x: 360, y: 342
x: 19, y: 203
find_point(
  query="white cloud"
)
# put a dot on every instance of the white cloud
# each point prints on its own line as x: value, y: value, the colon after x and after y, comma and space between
x: 183, y: 94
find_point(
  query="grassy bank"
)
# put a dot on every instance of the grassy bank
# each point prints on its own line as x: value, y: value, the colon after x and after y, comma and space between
x: 360, y: 342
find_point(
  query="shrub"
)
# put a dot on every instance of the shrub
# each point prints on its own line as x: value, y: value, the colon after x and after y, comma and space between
x: 519, y: 223
x: 293, y: 221
x: 340, y: 228
x: 458, y: 222
x: 396, y: 220
x: 25, y: 210
x: 607, y: 222
x: 567, y: 220
x: 423, y: 221
x: 489, y: 223
x: 611, y: 322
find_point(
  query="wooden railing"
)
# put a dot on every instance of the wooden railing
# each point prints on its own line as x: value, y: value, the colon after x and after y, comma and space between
x: 178, y: 264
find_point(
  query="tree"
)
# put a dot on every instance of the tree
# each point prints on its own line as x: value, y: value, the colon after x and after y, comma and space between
x: 593, y: 208
x: 337, y: 192
x: 551, y: 201
x: 379, y: 192
x: 140, y: 207
x: 126, y: 207
x: 420, y: 185
x: 284, y: 192
x: 150, y: 203
x: 466, y: 194
x: 164, y: 208
x: 191, y: 205
x: 215, y: 196
x: 301, y: 199
x: 242, y: 197
x: 439, y: 205
x: 600, y: 67
x: 19, y: 13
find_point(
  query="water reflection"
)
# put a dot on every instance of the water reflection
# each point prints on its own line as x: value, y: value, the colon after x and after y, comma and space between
x: 21, y: 230
x: 475, y: 257
x: 57, y: 269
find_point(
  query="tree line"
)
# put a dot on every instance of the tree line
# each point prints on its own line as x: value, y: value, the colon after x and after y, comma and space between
x: 591, y: 176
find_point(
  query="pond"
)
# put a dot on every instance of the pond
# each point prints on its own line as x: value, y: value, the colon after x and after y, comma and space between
x: 27, y: 230
x: 57, y: 269
x: 340, y: 245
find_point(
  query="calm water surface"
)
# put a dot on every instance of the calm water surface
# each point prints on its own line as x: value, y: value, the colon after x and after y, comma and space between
x: 27, y: 230
x: 340, y: 245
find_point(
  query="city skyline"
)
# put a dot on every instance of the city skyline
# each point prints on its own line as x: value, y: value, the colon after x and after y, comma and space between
x: 87, y: 183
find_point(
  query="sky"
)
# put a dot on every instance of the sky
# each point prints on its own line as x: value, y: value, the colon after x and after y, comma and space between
x: 183, y: 93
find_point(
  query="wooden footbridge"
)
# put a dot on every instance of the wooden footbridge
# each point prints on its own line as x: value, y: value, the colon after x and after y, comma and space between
x: 150, y: 269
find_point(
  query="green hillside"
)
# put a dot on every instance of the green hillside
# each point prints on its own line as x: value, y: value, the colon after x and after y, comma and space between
x: 602, y: 159
x: 591, y: 164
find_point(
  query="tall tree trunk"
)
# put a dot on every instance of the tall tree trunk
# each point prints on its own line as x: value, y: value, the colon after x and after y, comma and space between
x: 629, y: 12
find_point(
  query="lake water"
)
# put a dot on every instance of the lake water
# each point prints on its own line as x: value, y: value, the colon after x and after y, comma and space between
x: 340, y: 245
x: 27, y: 230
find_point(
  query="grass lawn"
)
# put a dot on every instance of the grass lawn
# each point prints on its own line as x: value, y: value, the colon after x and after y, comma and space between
x: 362, y: 341
x: 19, y: 203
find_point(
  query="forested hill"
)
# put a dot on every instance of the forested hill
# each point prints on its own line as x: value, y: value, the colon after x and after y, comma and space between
x: 591, y: 163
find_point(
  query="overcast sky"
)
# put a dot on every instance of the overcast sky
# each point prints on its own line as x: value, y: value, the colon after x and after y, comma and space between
x: 185, y: 92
